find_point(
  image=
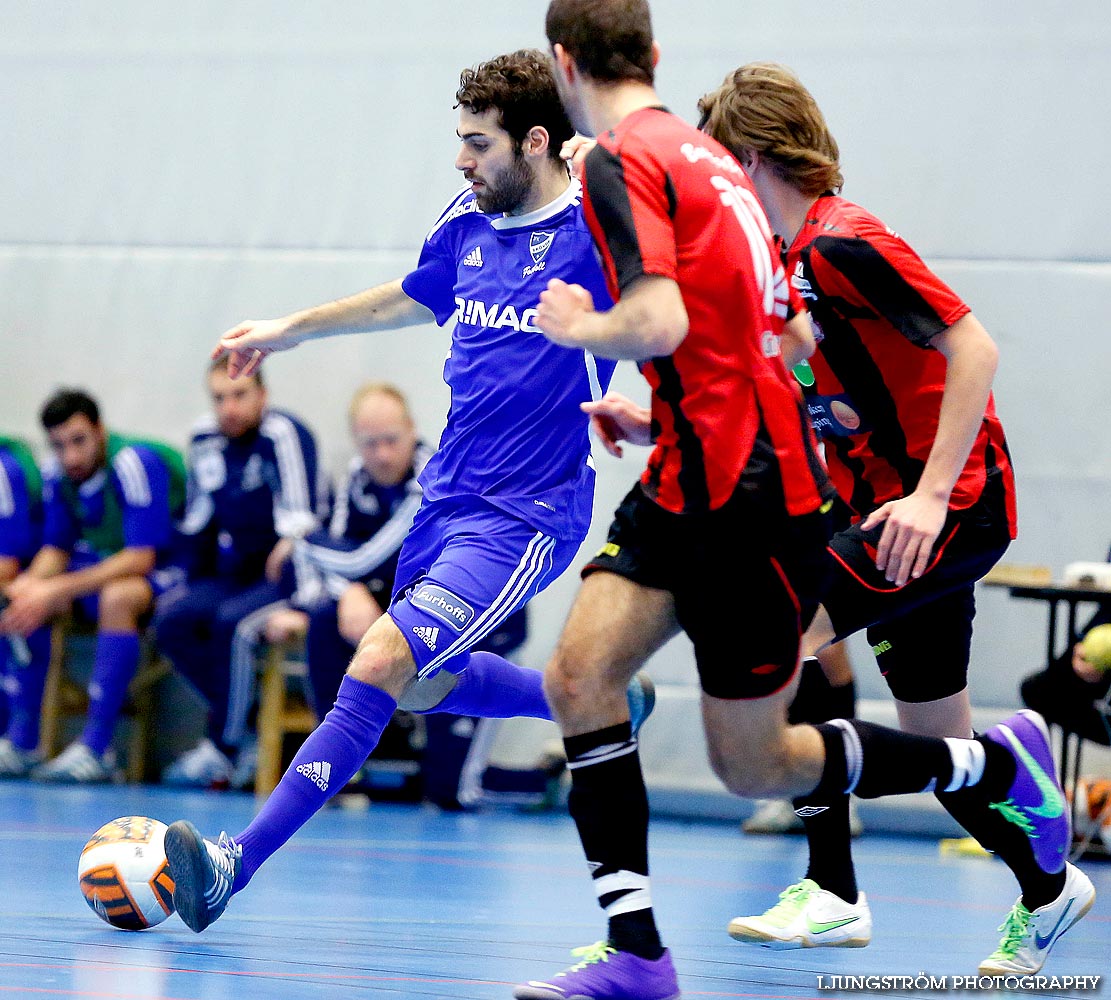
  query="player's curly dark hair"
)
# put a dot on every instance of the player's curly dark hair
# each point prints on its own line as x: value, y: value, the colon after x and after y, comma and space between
x: 521, y: 87
x: 610, y: 40
x: 764, y: 108
x: 66, y: 403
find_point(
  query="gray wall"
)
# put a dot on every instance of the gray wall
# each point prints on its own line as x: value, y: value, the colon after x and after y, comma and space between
x: 169, y: 169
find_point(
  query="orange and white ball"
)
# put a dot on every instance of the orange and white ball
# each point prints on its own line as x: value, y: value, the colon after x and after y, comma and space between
x: 124, y: 876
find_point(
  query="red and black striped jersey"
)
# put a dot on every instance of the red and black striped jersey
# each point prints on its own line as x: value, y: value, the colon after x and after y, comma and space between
x: 878, y: 381
x: 664, y: 199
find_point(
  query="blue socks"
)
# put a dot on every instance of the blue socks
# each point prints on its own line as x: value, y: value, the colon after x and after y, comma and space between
x: 490, y: 687
x: 327, y: 761
x: 23, y: 684
x: 117, y: 659
x: 493, y: 688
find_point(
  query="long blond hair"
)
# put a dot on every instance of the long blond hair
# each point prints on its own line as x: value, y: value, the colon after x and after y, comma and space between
x: 764, y: 108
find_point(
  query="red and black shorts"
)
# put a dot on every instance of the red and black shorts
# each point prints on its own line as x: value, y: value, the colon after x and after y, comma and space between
x: 921, y: 633
x: 746, y: 579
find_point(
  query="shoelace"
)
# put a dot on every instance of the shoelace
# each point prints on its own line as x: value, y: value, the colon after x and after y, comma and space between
x: 591, y: 954
x: 1014, y: 814
x: 791, y: 900
x: 228, y: 852
x: 1015, y: 930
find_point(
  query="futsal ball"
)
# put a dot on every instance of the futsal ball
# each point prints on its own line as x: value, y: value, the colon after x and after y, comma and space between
x: 1093, y: 817
x: 1097, y: 647
x: 124, y: 875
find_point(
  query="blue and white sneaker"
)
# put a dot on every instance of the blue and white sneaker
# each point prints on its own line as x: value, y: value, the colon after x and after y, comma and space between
x: 203, y: 873
x: 641, y: 693
x: 1029, y: 936
x: 78, y: 765
x: 1036, y: 801
x: 16, y: 762
x: 205, y: 766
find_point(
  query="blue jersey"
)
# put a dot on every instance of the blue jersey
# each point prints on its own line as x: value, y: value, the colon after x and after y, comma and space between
x: 515, y: 435
x: 245, y: 493
x: 126, y: 504
x: 369, y: 523
x: 20, y: 502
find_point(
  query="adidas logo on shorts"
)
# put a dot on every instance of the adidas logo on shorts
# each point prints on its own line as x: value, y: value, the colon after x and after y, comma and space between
x: 428, y: 634
x: 474, y: 258
x: 318, y: 772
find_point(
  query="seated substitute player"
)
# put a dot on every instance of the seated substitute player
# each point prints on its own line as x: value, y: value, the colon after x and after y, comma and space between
x: 508, y: 495
x: 732, y: 502
x: 355, y: 557
x: 357, y: 553
x: 902, y: 400
x: 252, y: 490
x: 110, y: 504
x: 23, y: 659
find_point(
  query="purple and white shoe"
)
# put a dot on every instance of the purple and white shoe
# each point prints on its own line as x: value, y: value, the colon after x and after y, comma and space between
x: 607, y: 974
x: 1036, y: 801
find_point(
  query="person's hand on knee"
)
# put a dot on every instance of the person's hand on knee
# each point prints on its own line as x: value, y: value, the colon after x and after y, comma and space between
x: 356, y: 612
x: 289, y: 623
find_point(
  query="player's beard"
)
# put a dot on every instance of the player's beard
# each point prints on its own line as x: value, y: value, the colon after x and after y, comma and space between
x: 508, y: 190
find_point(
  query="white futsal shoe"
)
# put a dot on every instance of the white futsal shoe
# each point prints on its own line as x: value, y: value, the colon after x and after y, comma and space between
x: 807, y: 916
x: 1028, y: 937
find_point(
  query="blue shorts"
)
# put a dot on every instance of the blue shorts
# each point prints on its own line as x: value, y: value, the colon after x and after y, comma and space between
x: 464, y: 567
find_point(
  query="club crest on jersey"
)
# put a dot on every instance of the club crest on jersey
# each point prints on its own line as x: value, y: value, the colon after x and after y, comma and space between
x: 252, y: 476
x: 442, y: 604
x: 538, y: 245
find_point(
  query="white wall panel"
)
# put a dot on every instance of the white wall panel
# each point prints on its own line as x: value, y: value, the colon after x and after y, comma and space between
x: 974, y: 127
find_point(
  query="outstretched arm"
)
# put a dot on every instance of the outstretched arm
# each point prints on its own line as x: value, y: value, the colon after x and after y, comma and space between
x: 384, y: 307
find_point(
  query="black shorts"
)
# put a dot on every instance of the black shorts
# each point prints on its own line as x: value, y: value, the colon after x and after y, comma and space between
x: 921, y: 633
x: 746, y: 580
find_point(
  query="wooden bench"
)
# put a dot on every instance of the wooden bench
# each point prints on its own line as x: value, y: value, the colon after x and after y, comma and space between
x: 281, y: 709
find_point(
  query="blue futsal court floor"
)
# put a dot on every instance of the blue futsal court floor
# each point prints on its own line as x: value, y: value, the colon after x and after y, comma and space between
x: 405, y: 902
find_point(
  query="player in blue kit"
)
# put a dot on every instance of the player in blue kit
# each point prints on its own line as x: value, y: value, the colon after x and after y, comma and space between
x: 109, y: 507
x: 508, y: 495
x: 23, y: 659
x: 252, y: 491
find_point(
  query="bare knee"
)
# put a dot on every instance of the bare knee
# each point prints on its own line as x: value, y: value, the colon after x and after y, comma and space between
x: 383, y: 658
x: 586, y: 693
x: 122, y: 602
x: 762, y: 774
x: 779, y: 762
x: 568, y: 685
